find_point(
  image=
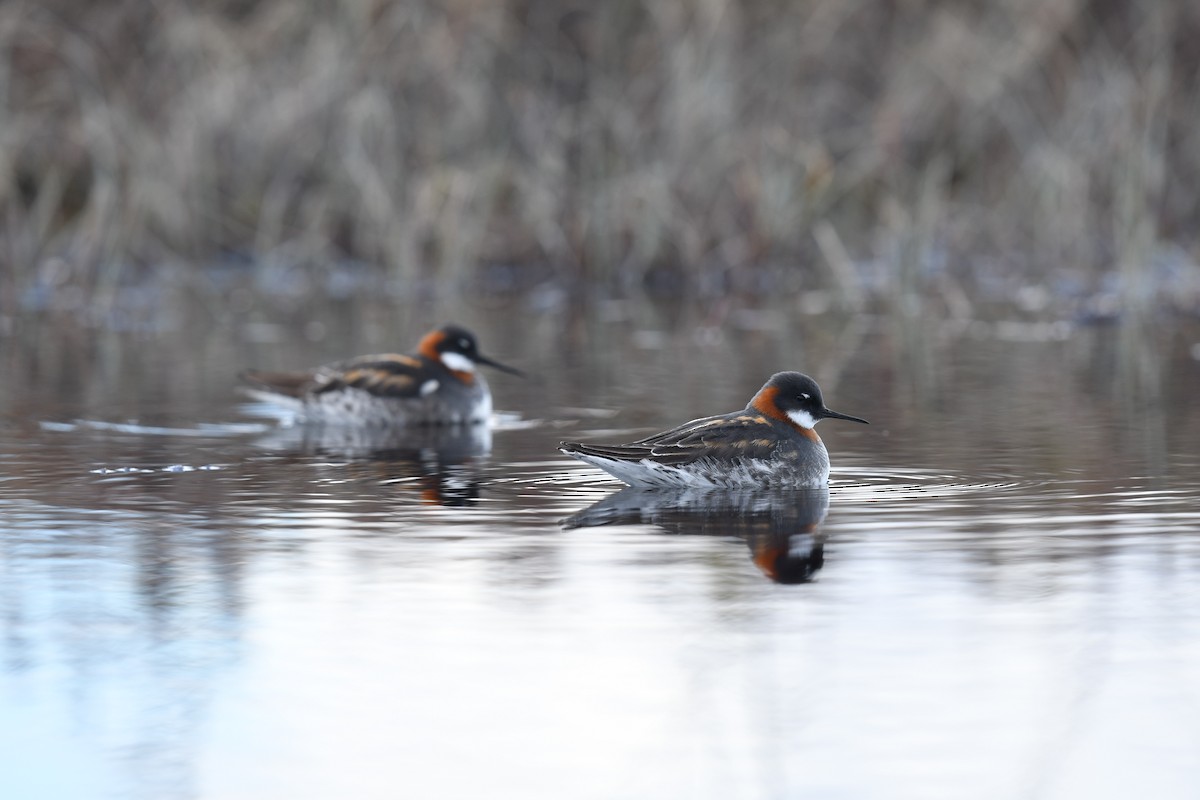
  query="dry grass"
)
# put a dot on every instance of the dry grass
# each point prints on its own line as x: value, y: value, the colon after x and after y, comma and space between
x: 697, y: 143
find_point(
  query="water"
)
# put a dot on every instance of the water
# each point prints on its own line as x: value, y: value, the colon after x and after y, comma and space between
x: 999, y: 595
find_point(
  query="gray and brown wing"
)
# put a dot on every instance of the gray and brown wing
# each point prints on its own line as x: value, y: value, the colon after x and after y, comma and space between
x: 728, y: 437
x: 288, y: 384
x: 387, y: 375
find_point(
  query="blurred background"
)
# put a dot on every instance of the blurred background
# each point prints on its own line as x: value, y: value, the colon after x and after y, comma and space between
x: 974, y: 222
x: 1041, y: 153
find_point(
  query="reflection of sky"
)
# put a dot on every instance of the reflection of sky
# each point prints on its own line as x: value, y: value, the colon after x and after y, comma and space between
x: 109, y: 649
x: 669, y: 680
x: 46, y: 750
x: 610, y: 663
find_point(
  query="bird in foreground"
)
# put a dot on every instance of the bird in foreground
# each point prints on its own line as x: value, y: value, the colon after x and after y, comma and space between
x: 437, y: 385
x: 770, y: 443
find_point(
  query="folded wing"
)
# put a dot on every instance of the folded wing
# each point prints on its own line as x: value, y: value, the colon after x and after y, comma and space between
x: 731, y: 436
x: 388, y: 375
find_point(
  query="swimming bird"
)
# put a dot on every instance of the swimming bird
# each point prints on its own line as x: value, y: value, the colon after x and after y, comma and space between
x: 770, y: 443
x: 437, y: 385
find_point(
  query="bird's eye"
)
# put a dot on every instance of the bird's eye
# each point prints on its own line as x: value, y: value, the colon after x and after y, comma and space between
x: 804, y: 396
x: 464, y: 344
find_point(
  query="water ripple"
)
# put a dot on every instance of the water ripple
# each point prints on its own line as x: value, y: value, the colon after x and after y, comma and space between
x: 138, y: 429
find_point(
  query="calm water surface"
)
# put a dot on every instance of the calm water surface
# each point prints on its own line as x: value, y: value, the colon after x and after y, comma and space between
x: 999, y: 595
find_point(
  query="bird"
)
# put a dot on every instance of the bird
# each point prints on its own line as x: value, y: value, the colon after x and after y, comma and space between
x: 770, y: 443
x: 436, y: 385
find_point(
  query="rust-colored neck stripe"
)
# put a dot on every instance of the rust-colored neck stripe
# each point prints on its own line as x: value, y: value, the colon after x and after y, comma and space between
x: 429, y: 345
x: 766, y: 403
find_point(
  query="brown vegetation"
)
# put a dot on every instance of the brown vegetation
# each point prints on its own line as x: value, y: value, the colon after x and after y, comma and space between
x: 683, y: 141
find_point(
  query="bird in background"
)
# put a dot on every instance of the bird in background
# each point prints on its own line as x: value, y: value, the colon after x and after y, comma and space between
x: 439, y: 384
x: 770, y: 443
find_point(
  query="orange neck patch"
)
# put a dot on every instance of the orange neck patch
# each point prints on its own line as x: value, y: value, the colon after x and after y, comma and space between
x: 428, y: 346
x: 766, y: 403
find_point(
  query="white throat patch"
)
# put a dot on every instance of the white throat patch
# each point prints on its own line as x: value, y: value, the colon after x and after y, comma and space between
x: 803, y: 419
x: 457, y: 362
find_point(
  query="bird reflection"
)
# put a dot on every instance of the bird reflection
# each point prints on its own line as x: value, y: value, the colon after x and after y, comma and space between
x: 781, y: 527
x: 443, y: 458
